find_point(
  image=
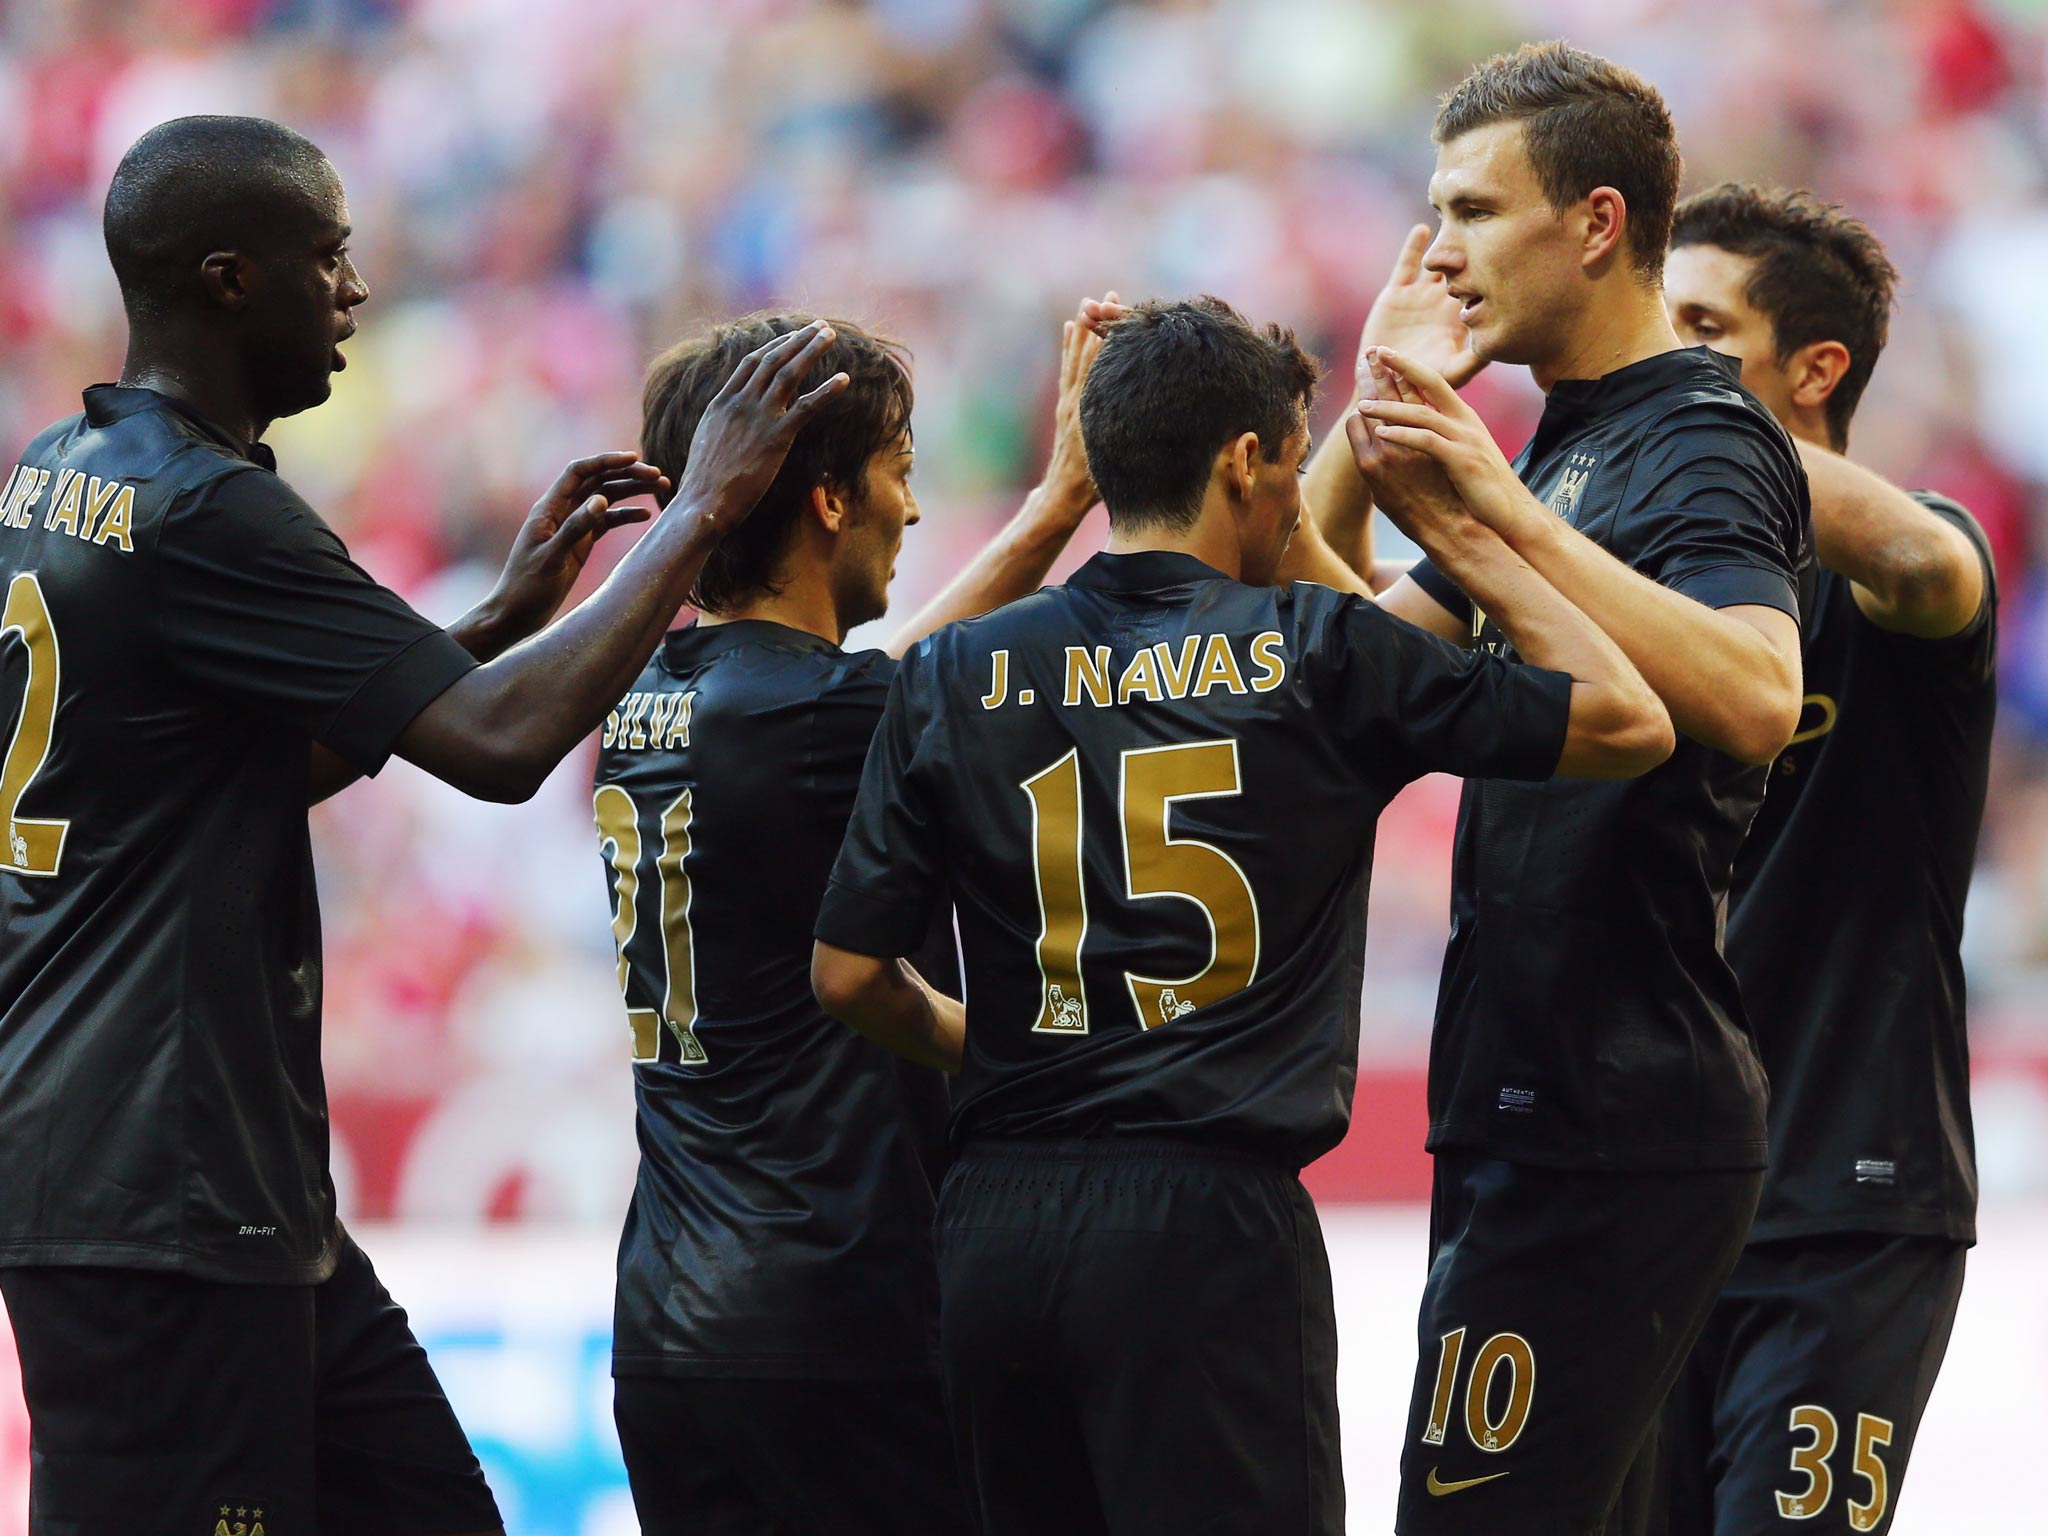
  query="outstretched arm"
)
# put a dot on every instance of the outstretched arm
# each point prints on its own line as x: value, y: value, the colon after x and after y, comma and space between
x: 502, y: 728
x: 1730, y: 676
x: 1910, y: 571
x: 1617, y: 727
x: 1015, y: 561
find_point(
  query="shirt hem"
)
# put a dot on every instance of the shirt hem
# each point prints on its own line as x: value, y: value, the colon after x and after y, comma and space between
x: 160, y: 1258
x: 1779, y: 1229
x: 1697, y: 1156
x: 771, y: 1367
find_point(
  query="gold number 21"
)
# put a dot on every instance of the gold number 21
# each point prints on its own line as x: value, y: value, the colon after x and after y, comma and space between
x: 1157, y: 864
x: 618, y: 829
x: 33, y: 847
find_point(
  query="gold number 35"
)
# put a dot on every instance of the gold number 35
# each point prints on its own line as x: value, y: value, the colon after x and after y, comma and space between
x: 1812, y: 1459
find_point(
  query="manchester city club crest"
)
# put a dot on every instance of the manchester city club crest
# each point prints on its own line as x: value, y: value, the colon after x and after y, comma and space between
x: 1564, y: 499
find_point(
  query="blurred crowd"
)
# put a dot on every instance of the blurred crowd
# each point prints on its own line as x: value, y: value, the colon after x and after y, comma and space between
x: 546, y: 192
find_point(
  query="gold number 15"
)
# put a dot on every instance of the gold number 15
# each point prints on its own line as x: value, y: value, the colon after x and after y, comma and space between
x: 1157, y: 865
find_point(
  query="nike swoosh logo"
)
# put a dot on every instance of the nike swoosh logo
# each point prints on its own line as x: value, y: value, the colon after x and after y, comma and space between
x: 1440, y: 1488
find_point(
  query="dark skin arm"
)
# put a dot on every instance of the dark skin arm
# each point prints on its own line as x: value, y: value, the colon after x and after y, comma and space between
x: 547, y: 556
x: 500, y: 730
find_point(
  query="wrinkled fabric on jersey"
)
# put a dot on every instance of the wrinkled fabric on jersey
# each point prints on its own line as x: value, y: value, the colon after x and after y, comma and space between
x: 160, y: 979
x: 1587, y: 1018
x: 1212, y: 758
x: 1847, y: 924
x: 781, y: 1221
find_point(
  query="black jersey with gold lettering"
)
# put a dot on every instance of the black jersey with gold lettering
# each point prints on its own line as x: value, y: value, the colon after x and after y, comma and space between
x: 1153, y: 792
x: 1587, y: 1017
x: 179, y: 629
x: 1847, y: 924
x: 781, y: 1221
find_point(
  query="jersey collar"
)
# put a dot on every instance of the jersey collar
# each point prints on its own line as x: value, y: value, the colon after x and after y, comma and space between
x: 106, y: 404
x: 1145, y: 571
x: 1617, y: 391
x: 696, y: 643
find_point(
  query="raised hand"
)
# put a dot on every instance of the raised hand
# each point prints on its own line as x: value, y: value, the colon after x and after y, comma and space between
x: 1421, y: 440
x: 549, y: 552
x: 746, y: 431
x: 1099, y: 314
x: 1066, y: 473
x: 1407, y: 480
x: 1416, y: 314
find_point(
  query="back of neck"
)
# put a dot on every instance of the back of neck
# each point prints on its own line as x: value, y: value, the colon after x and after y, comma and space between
x: 1210, y: 540
x: 801, y: 604
x: 197, y: 375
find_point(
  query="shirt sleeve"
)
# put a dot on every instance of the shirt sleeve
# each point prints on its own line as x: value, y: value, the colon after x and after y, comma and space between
x: 1448, y: 594
x: 890, y: 874
x: 1970, y: 655
x: 258, y: 601
x: 1719, y: 510
x: 1405, y: 703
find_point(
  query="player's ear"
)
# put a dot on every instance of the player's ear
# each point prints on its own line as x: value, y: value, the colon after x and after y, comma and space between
x: 225, y: 277
x: 1244, y: 458
x: 828, y: 506
x: 1604, y: 225
x: 1814, y: 371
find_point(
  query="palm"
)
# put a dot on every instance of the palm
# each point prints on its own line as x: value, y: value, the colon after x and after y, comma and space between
x: 1416, y: 315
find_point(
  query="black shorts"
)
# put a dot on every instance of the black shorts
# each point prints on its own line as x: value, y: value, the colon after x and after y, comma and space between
x: 718, y: 1456
x: 1138, y: 1337
x: 164, y: 1403
x: 1803, y: 1396
x: 1558, y: 1311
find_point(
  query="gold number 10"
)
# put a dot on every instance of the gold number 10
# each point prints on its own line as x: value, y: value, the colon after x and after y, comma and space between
x: 1157, y: 864
x: 1509, y: 1350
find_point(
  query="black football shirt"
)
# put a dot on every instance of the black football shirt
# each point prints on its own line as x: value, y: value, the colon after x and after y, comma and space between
x: 1847, y: 923
x: 1587, y: 1017
x: 1153, y: 793
x: 781, y: 1220
x: 179, y: 628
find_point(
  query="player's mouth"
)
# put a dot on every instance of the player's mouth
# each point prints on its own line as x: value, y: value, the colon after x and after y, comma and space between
x: 1468, y: 305
x: 341, y: 362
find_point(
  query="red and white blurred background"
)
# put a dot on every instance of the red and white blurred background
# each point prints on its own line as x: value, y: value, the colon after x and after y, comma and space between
x: 545, y: 192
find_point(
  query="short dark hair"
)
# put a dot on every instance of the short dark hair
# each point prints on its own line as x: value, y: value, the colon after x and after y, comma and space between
x: 1586, y: 122
x: 872, y: 412
x: 1175, y: 381
x: 195, y: 185
x: 1817, y: 274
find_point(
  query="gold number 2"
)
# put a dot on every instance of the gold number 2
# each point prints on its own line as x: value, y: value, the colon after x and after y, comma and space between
x: 33, y: 847
x: 618, y: 829
x: 1156, y: 864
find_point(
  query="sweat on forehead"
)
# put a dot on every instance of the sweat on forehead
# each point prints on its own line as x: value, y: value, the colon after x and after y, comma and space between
x: 195, y: 185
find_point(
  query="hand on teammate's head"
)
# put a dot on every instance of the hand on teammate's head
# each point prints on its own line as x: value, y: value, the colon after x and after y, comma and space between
x: 746, y: 431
